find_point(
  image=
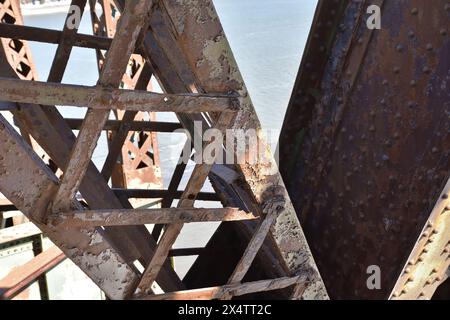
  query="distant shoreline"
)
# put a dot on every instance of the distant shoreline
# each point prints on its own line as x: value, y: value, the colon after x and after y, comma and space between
x: 62, y: 6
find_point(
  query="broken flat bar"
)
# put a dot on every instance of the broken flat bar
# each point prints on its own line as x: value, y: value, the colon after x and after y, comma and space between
x: 100, y: 98
x: 123, y: 217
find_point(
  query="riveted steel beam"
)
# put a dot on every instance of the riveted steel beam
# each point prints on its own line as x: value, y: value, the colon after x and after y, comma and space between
x: 364, y: 149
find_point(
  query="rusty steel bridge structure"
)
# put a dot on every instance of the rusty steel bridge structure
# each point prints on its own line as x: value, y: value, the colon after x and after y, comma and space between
x: 364, y: 166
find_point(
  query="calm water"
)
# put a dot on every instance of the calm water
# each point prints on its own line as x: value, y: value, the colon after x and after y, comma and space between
x: 267, y: 38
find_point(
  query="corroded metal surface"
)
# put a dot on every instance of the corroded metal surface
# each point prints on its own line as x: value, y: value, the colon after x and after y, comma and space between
x: 49, y: 128
x: 143, y: 169
x: 428, y: 264
x: 365, y: 144
x: 29, y: 184
x: 211, y: 67
x: 183, y: 45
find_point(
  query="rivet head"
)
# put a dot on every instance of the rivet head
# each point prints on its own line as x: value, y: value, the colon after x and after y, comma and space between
x: 414, y: 11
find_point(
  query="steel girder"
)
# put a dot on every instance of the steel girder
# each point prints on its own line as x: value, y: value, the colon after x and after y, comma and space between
x: 185, y: 48
x: 365, y: 145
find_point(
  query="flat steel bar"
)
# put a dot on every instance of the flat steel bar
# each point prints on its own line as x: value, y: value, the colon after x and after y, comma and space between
x: 184, y: 252
x: 157, y: 193
x: 65, y: 46
x: 114, y: 125
x: 122, y: 217
x: 231, y: 290
x: 20, y: 32
x: 101, y: 98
